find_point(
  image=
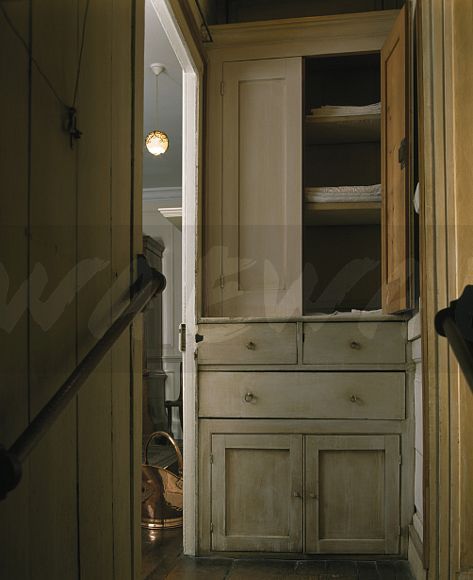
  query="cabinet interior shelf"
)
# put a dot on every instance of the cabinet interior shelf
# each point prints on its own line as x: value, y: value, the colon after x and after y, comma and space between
x: 342, y: 129
x: 349, y: 213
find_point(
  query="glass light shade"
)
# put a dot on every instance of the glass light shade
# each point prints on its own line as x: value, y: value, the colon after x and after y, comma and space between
x: 157, y: 142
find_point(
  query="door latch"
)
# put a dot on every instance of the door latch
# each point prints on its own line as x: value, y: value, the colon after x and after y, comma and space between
x: 182, y: 337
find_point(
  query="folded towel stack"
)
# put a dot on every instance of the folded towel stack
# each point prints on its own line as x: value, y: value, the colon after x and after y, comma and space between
x: 344, y: 193
x: 346, y: 110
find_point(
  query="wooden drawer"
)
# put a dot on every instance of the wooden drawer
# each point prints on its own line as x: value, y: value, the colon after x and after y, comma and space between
x: 320, y: 395
x: 354, y: 343
x: 256, y: 343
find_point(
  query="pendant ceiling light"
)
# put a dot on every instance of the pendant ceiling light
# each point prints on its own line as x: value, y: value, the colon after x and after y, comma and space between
x: 157, y: 142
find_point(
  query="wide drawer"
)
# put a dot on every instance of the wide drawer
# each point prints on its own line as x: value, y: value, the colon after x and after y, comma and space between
x: 256, y: 343
x: 354, y: 343
x: 308, y: 395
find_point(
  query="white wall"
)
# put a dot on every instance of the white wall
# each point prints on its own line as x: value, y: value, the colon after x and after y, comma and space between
x: 160, y: 228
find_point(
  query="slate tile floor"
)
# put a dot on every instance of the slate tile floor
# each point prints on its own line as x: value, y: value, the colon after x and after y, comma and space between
x: 163, y: 560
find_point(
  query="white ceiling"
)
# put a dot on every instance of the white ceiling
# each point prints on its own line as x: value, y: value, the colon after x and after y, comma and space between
x: 165, y: 170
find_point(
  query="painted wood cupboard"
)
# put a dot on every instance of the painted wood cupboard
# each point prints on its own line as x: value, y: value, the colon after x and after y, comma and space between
x: 304, y: 394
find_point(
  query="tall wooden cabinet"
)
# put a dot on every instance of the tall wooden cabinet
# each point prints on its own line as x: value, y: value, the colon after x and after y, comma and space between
x: 304, y: 390
x: 282, y: 131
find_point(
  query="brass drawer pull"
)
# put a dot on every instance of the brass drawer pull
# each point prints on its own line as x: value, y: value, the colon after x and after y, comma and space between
x: 355, y: 345
x: 251, y: 345
x: 354, y: 399
x: 249, y: 397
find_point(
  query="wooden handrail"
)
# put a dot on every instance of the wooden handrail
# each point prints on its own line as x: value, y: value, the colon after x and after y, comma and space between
x: 149, y: 283
x: 456, y: 324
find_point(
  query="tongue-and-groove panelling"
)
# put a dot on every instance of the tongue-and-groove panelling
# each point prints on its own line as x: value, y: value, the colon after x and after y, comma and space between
x: 67, y: 237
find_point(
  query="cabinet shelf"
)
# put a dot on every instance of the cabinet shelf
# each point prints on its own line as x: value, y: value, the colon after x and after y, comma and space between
x: 342, y: 129
x: 349, y: 213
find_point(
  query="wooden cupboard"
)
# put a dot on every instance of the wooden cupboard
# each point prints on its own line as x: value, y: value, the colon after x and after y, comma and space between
x: 326, y: 427
x: 341, y: 494
x: 305, y: 406
x: 307, y: 174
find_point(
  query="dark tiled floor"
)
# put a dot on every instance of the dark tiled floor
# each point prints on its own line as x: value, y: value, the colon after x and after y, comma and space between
x: 163, y: 560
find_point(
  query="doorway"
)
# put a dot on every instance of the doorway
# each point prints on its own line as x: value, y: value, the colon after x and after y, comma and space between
x: 170, y: 206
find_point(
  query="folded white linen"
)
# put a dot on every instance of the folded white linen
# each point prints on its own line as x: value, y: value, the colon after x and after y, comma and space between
x: 345, y: 110
x: 347, y: 189
x: 343, y: 193
x: 344, y: 199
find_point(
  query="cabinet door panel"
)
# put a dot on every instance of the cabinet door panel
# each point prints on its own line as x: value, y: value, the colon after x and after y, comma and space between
x: 261, y: 187
x: 394, y: 169
x: 352, y: 494
x: 257, y: 492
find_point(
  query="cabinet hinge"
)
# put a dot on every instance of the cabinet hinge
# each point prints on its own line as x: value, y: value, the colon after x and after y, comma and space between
x: 303, y: 337
x: 222, y: 88
x: 222, y: 281
x: 402, y: 153
x: 211, y: 458
x: 211, y: 527
x: 400, y: 460
x: 182, y: 337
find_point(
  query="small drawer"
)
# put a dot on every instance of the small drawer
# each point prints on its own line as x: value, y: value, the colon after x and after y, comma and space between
x: 256, y: 343
x: 290, y: 395
x: 346, y: 343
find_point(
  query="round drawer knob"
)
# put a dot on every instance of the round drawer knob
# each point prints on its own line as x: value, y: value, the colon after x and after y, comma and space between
x: 249, y: 397
x: 251, y: 345
x: 355, y: 345
x: 354, y: 399
x: 296, y: 494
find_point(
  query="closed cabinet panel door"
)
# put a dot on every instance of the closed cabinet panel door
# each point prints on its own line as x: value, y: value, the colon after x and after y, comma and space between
x: 394, y: 170
x: 261, y: 187
x: 257, y: 493
x: 352, y: 494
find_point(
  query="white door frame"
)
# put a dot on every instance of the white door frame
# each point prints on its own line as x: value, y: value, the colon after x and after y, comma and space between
x: 180, y: 37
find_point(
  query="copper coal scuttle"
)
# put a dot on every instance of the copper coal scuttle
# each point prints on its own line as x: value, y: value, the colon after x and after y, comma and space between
x: 161, y: 501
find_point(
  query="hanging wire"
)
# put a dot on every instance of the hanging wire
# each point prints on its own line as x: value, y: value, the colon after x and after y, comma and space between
x: 33, y: 60
x: 71, y: 122
x: 84, y: 27
x: 156, y: 103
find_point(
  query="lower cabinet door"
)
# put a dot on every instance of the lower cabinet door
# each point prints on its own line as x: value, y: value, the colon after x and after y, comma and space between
x: 352, y: 494
x: 257, y: 492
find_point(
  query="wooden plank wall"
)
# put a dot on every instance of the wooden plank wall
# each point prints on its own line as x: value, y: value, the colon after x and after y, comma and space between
x: 448, y: 259
x: 462, y: 59
x: 69, y: 223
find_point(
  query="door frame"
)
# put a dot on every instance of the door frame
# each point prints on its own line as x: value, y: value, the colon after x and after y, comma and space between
x: 179, y: 30
x: 439, y: 284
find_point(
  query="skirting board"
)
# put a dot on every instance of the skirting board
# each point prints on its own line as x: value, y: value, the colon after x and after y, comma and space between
x: 415, y: 555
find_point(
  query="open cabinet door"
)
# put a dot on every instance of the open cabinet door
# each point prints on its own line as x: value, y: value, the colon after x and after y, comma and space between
x: 394, y: 169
